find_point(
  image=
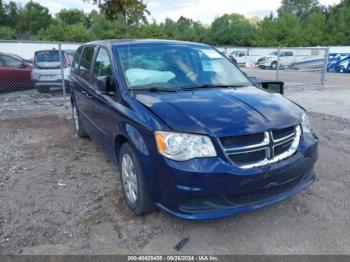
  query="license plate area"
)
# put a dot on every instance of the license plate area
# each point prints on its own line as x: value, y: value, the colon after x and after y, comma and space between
x: 48, y: 78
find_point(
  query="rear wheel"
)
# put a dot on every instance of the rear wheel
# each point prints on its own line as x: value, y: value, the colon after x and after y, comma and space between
x: 133, y: 182
x: 79, y: 129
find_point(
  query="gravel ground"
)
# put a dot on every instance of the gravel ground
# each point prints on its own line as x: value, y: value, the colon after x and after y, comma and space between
x: 60, y: 195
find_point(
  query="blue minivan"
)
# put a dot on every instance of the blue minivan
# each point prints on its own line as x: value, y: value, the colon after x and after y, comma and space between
x: 189, y: 132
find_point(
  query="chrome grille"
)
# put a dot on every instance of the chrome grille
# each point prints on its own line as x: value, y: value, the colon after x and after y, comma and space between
x: 244, y: 140
x: 260, y: 149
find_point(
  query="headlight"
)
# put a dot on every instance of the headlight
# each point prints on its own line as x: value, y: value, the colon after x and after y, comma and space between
x: 181, y: 146
x: 305, y: 124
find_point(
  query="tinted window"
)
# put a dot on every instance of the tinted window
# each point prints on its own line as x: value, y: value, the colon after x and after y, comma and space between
x: 103, y: 65
x: 11, y: 62
x: 86, y: 60
x: 1, y: 62
x: 47, y: 56
x: 75, y: 64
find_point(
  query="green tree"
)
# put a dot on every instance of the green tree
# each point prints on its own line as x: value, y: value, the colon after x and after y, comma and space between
x: 12, y: 14
x: 132, y: 11
x: 288, y: 30
x: 54, y: 32
x: 151, y: 30
x: 102, y: 28
x: 339, y: 24
x: 73, y: 16
x: 266, y: 32
x: 284, y: 30
x: 300, y: 8
x: 37, y: 16
x: 7, y: 32
x: 78, y: 33
x: 314, y: 28
x: 232, y: 29
x: 3, y: 16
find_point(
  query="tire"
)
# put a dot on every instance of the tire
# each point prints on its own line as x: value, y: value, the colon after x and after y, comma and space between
x: 274, y: 65
x: 78, y: 127
x: 43, y: 90
x: 133, y: 182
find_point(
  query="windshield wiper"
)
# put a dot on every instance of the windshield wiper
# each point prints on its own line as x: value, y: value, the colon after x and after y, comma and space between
x: 154, y: 89
x: 209, y: 86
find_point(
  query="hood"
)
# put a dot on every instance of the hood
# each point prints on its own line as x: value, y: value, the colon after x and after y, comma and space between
x: 222, y: 112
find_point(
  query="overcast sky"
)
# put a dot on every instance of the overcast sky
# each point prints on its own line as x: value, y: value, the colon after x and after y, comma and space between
x: 201, y: 10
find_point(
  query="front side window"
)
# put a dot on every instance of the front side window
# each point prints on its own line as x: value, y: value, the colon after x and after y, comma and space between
x: 103, y: 65
x: 176, y: 67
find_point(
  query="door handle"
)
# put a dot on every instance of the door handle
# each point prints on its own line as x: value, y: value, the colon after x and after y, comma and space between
x: 86, y: 94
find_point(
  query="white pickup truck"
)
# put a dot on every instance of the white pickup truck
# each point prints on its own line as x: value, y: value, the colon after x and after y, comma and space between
x: 270, y: 61
x: 239, y: 57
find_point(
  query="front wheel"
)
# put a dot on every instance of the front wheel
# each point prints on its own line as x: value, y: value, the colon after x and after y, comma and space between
x: 274, y: 65
x: 133, y: 182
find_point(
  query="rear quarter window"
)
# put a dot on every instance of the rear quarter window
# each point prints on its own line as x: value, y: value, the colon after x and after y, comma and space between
x: 86, y: 60
x: 75, y: 63
x: 11, y: 62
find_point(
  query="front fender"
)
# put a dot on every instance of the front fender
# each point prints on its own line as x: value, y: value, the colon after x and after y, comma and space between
x: 135, y: 137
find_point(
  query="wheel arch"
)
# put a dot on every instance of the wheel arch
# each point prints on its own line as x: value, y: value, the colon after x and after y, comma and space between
x: 134, y: 137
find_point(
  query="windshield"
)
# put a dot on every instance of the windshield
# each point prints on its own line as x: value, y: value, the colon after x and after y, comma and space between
x: 177, y: 66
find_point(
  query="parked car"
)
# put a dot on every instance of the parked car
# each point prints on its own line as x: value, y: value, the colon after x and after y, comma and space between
x: 188, y: 130
x: 270, y: 62
x: 47, y: 69
x: 14, y: 73
x: 27, y: 61
x: 240, y: 57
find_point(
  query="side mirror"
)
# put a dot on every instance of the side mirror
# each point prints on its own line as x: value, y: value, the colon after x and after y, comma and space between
x: 23, y: 65
x: 273, y: 86
x: 103, y: 83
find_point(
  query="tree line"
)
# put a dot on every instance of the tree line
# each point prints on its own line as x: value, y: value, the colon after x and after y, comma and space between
x: 296, y: 23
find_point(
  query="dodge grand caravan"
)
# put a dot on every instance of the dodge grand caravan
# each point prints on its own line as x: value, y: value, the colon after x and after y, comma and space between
x: 188, y: 130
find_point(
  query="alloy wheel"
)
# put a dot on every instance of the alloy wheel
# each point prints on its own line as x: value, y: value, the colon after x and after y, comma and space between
x: 129, y: 178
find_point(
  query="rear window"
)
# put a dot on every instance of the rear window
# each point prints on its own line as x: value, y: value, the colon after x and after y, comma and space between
x: 47, y: 56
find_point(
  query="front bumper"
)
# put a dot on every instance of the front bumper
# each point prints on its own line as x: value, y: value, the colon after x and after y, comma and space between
x: 213, y: 187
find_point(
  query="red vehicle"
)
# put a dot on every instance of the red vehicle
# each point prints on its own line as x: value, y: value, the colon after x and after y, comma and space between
x: 14, y: 73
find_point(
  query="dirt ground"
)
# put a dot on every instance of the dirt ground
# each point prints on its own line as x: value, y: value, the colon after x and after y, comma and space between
x: 61, y: 195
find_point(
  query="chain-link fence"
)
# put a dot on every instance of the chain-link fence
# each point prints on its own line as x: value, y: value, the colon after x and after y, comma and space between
x: 38, y: 72
x: 297, y: 67
x: 34, y: 74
